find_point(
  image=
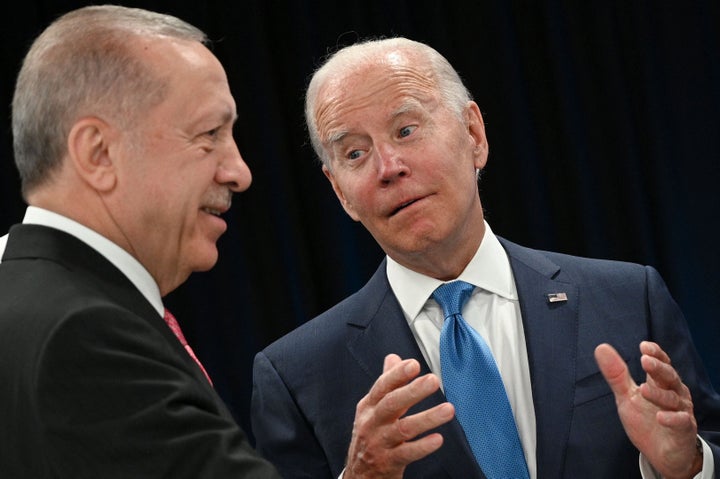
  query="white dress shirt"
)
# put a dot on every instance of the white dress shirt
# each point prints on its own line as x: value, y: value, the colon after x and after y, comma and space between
x: 493, y: 310
x: 122, y: 260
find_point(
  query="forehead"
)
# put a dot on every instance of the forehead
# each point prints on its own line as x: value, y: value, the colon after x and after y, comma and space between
x: 379, y: 90
x: 195, y: 80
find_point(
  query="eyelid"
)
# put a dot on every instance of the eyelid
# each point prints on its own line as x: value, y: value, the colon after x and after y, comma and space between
x: 215, y: 131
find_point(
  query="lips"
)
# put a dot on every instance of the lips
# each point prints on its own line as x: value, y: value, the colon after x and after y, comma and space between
x: 218, y: 204
x: 401, y: 207
x: 212, y: 211
x: 404, y: 204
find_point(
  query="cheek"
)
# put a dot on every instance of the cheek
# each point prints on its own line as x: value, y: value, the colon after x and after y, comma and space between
x: 359, y: 198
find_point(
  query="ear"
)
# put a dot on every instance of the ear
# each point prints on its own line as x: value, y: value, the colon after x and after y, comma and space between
x: 476, y: 130
x: 338, y: 192
x: 89, y: 149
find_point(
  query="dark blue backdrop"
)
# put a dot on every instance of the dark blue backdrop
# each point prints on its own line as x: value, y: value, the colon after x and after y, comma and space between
x: 604, y: 130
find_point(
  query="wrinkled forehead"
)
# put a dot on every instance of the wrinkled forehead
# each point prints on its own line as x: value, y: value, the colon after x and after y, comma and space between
x: 379, y: 88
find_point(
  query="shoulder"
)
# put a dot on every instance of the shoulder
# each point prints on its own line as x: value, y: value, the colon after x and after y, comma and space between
x: 571, y: 267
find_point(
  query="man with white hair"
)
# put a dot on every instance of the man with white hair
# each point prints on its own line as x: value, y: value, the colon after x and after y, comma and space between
x: 122, y: 123
x: 518, y: 337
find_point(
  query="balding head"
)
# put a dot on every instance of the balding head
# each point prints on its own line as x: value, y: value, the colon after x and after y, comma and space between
x: 361, y: 56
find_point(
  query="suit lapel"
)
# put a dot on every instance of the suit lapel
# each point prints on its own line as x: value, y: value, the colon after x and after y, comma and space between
x: 37, y: 241
x: 382, y: 329
x: 551, y: 340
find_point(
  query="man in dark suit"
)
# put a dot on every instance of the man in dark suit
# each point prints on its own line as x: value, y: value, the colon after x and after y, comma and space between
x: 122, y: 122
x: 402, y: 145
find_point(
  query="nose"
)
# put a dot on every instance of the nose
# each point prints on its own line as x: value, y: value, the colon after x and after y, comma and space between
x: 390, y: 164
x: 232, y: 171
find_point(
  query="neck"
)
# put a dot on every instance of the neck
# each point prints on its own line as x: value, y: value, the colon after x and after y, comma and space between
x: 447, y: 260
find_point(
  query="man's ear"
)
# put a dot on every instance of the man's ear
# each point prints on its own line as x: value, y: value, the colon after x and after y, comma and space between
x: 476, y: 130
x: 89, y: 151
x: 338, y: 192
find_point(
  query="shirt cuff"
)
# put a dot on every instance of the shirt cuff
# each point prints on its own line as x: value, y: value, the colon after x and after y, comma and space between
x: 707, y: 472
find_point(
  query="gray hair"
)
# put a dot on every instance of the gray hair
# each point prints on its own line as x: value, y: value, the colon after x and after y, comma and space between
x: 452, y: 91
x: 83, y: 64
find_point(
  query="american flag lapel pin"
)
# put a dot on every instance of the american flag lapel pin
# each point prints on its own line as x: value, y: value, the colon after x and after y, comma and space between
x: 556, y: 297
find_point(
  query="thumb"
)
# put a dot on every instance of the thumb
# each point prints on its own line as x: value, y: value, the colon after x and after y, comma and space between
x: 614, y: 370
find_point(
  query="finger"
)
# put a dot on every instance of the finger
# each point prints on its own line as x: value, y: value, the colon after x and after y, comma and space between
x: 653, y: 349
x: 614, y: 370
x: 409, y: 427
x: 661, y: 374
x: 390, y: 462
x: 390, y: 361
x: 665, y: 399
x: 398, y: 374
x: 680, y: 421
x: 414, y: 450
x: 397, y: 402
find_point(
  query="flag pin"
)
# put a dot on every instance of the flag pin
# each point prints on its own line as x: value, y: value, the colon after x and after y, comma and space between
x: 556, y: 297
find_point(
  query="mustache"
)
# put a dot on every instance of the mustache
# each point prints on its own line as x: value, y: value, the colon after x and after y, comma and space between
x: 220, y: 199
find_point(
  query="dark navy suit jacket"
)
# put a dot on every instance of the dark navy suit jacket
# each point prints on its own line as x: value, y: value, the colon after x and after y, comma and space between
x: 307, y: 384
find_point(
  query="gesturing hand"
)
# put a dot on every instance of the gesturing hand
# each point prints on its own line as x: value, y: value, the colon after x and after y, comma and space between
x: 658, y: 414
x: 384, y: 439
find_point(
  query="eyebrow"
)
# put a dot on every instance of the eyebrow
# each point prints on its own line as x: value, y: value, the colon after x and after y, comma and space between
x: 337, y: 136
x: 409, y: 106
x: 230, y: 116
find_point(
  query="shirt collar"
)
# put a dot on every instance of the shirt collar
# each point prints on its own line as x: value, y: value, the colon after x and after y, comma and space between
x: 489, y: 269
x: 122, y: 260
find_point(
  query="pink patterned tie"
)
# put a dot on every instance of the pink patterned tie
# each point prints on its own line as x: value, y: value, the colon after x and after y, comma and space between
x: 175, y: 327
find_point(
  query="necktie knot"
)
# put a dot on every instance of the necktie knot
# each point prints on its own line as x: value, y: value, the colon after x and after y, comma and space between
x: 452, y: 296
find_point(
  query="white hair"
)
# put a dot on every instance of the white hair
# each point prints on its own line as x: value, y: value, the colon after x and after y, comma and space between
x: 452, y: 91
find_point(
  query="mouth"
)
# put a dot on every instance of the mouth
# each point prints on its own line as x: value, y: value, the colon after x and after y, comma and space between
x: 217, y: 206
x: 404, y: 205
x: 212, y: 211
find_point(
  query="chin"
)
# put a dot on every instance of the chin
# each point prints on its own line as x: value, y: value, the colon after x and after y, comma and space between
x: 205, y: 260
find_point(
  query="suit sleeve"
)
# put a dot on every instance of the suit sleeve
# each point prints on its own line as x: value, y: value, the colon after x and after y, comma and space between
x: 117, y: 401
x: 283, y: 434
x: 671, y: 331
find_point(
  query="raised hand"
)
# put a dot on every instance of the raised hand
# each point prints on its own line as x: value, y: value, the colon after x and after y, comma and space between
x: 658, y: 414
x: 384, y: 440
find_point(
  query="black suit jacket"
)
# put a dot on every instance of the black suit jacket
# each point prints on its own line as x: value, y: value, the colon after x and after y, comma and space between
x: 307, y: 384
x: 95, y: 385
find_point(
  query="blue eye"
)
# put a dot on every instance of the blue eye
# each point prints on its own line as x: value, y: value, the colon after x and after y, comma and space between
x: 406, y: 131
x: 354, y: 155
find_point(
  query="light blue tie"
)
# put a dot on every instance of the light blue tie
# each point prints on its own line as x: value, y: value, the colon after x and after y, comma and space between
x: 473, y: 385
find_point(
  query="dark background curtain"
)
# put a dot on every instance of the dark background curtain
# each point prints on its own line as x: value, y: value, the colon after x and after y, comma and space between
x: 603, y: 120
